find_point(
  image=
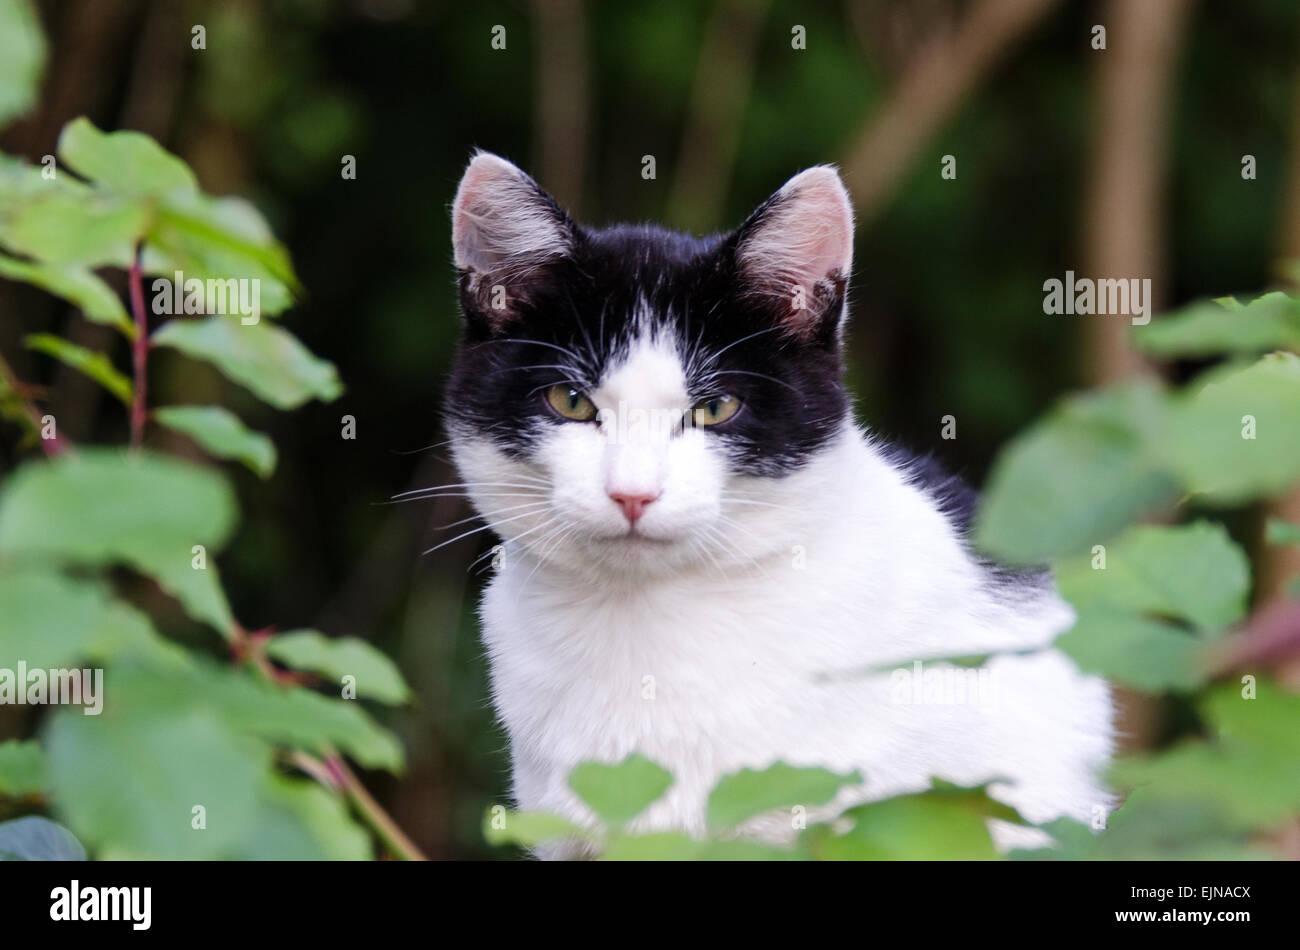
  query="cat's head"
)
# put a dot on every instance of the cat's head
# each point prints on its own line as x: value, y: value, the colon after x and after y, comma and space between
x: 639, y: 400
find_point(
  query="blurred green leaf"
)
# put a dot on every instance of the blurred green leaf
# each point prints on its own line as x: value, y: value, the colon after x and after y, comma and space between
x: 745, y: 794
x: 68, y: 228
x: 47, y: 620
x: 620, y: 792
x: 1075, y: 477
x: 1210, y: 327
x: 38, y: 839
x: 931, y: 826
x: 1208, y: 445
x: 217, y: 238
x: 147, y: 511
x: 1141, y: 652
x: 1282, y: 532
x: 104, y: 506
x: 95, y: 365
x: 1246, y: 772
x: 50, y: 620
x: 187, y: 756
x: 221, y: 433
x: 302, y: 719
x: 1148, y: 828
x: 130, y: 164
x: 1193, y: 571
x: 527, y: 828
x: 674, y: 846
x: 375, y: 675
x: 198, y: 590
x: 266, y: 360
x: 22, y: 58
x: 22, y: 769
x: 300, y: 821
x: 157, y: 197
x: 75, y: 284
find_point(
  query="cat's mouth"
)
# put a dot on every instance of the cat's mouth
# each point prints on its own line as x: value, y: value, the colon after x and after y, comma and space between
x: 633, y: 537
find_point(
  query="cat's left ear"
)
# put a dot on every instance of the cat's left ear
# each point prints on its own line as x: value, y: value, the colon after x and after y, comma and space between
x: 794, y: 254
x: 509, y: 238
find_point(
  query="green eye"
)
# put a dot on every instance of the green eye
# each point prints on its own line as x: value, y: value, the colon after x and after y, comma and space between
x: 571, y: 403
x: 709, y: 412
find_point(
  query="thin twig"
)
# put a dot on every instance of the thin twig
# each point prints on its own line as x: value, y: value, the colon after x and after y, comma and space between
x: 139, y: 352
x: 372, y: 812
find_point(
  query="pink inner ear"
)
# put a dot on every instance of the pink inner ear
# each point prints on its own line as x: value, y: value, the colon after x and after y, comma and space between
x: 500, y: 223
x: 807, y: 237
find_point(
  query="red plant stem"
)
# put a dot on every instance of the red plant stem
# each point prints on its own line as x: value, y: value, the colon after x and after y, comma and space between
x: 139, y: 352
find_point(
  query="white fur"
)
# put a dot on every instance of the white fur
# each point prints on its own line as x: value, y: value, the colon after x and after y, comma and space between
x: 740, y: 627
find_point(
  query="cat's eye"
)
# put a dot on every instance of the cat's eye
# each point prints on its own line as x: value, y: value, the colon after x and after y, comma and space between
x: 709, y: 412
x: 571, y: 403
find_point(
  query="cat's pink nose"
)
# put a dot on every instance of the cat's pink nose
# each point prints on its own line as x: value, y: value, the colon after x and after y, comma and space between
x: 633, y: 505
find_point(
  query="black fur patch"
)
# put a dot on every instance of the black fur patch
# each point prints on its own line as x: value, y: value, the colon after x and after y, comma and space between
x: 958, y: 501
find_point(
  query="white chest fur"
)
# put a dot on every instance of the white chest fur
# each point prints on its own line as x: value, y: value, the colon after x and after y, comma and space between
x: 753, y: 663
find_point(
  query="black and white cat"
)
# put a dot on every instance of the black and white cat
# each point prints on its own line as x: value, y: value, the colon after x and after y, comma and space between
x: 704, y: 559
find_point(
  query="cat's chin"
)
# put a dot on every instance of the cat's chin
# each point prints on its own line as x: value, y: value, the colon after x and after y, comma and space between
x: 629, y: 555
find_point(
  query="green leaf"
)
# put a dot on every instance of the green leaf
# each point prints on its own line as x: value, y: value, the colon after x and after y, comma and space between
x: 1146, y: 654
x: 1208, y: 328
x: 1194, y: 572
x: 1210, y: 444
x: 220, y: 433
x: 300, y: 821
x: 38, y: 839
x: 22, y: 58
x: 300, y: 718
x: 1148, y: 828
x: 201, y: 236
x: 216, y: 238
x: 198, y: 590
x: 104, y: 507
x: 931, y: 826
x: 75, y: 284
x: 128, y: 781
x: 527, y: 828
x: 1246, y: 774
x: 674, y: 846
x: 266, y: 360
x: 1075, y: 477
x: 375, y: 675
x: 47, y: 620
x: 745, y: 794
x: 1283, y: 532
x: 95, y: 365
x: 656, y: 846
x: 22, y: 769
x: 128, y: 163
x: 90, y: 229
x: 53, y: 621
x: 1269, y: 721
x: 618, y: 793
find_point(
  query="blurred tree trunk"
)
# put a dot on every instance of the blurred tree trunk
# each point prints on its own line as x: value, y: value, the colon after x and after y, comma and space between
x: 943, y: 72
x: 1124, y: 213
x: 707, y: 152
x: 1124, y: 208
x: 1277, y: 565
x: 561, y: 110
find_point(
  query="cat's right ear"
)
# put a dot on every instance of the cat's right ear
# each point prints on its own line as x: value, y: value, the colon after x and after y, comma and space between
x: 508, y: 236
